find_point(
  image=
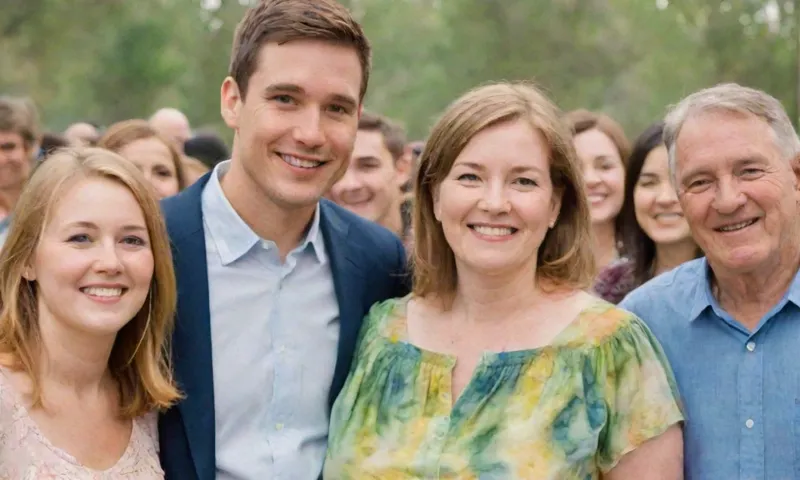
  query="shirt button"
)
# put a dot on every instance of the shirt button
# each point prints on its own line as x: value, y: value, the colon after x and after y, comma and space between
x: 749, y: 423
x: 751, y: 346
x: 278, y: 426
x: 281, y: 349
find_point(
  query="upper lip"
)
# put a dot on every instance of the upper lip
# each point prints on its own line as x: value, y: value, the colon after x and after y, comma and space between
x: 302, y: 157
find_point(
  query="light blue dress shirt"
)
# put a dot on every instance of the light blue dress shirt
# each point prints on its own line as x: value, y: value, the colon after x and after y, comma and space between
x: 274, y: 337
x: 741, y: 388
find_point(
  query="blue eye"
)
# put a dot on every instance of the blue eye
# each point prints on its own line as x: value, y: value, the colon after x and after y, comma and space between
x: 468, y: 177
x: 79, y: 238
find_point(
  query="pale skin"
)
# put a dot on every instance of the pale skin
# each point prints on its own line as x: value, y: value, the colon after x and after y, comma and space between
x: 730, y: 170
x: 498, y: 305
x: 97, y: 237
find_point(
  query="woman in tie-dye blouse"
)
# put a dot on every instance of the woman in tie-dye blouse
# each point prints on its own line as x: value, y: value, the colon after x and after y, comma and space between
x: 499, y: 366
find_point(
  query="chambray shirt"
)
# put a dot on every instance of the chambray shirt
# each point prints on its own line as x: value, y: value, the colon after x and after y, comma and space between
x: 274, y: 337
x: 741, y: 389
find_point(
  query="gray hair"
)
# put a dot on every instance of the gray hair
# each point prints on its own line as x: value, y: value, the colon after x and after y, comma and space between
x: 730, y: 97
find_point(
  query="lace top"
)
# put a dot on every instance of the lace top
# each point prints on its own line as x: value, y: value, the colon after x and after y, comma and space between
x: 25, y: 453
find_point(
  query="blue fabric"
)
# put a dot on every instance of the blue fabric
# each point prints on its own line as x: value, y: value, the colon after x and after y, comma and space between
x: 367, y: 263
x: 741, y: 388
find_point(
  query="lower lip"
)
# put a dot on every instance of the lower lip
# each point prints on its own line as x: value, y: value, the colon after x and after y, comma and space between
x: 596, y: 201
x: 492, y: 238
x: 301, y: 170
x: 103, y: 300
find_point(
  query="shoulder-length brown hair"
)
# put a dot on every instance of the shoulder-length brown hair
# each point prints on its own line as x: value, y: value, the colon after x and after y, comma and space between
x: 128, y: 131
x: 565, y: 258
x: 139, y: 359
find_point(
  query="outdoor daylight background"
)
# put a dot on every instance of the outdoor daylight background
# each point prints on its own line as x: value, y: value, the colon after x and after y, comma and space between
x: 107, y: 60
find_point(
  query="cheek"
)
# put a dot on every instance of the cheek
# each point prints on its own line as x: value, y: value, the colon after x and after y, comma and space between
x: 141, y: 266
x: 615, y: 180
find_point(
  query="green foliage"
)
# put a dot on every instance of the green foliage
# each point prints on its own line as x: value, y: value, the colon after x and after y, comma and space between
x: 109, y: 60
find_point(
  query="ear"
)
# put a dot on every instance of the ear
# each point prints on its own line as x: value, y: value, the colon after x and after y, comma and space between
x: 402, y: 168
x: 437, y: 209
x: 29, y: 274
x: 230, y: 102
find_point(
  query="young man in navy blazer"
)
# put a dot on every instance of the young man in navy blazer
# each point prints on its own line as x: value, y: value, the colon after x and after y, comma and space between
x: 272, y: 281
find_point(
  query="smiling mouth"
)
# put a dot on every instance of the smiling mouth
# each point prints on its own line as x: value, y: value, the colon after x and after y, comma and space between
x: 301, y: 163
x: 103, y: 292
x: 493, y: 231
x: 668, y: 215
x: 736, y: 226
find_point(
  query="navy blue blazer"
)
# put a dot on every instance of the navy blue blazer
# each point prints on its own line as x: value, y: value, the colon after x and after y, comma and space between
x: 368, y: 264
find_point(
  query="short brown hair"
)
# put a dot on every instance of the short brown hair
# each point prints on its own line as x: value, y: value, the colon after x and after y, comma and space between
x: 139, y: 359
x: 19, y: 115
x: 282, y: 21
x: 583, y: 120
x: 394, y: 137
x: 126, y: 132
x: 565, y: 258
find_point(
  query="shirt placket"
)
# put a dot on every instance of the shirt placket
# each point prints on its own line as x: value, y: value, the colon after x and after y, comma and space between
x: 751, y: 411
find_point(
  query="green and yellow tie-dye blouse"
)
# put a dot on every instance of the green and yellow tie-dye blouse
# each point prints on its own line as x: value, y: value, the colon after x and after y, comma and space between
x: 566, y: 411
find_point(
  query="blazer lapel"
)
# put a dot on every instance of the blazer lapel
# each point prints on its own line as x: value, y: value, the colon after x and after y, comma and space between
x: 192, y: 337
x: 348, y: 281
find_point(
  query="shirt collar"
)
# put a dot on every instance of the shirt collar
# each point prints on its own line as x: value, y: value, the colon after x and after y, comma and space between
x: 704, y: 297
x: 232, y: 236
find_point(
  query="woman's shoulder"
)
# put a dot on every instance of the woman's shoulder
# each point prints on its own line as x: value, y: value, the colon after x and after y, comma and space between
x: 598, y: 322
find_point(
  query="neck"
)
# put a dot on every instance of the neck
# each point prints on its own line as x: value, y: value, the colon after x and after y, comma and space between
x: 284, y: 226
x: 605, y: 243
x: 8, y: 199
x: 73, y: 361
x: 393, y: 220
x: 483, y: 297
x: 669, y: 256
x: 749, y: 296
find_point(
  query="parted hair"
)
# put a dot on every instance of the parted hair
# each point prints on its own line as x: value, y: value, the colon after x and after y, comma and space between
x: 283, y: 21
x: 123, y: 133
x: 139, y: 360
x: 394, y: 137
x: 565, y: 258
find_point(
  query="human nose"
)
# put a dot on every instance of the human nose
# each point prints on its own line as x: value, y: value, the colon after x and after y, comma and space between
x: 495, y: 199
x: 308, y: 130
x: 108, y: 260
x: 728, y: 197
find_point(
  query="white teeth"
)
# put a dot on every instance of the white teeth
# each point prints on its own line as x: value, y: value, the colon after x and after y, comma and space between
x: 297, y: 162
x: 493, y: 231
x: 102, y: 292
x: 668, y: 215
x: 738, y: 226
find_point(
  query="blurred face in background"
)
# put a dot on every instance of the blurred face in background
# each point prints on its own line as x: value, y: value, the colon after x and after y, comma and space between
x: 604, y: 174
x: 155, y: 160
x: 656, y: 203
x: 15, y: 160
x: 371, y: 187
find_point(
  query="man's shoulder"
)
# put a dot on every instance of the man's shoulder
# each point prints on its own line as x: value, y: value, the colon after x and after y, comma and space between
x: 374, y: 239
x: 673, y: 291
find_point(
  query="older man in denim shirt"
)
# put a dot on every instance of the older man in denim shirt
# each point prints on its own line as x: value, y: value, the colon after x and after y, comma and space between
x: 730, y: 322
